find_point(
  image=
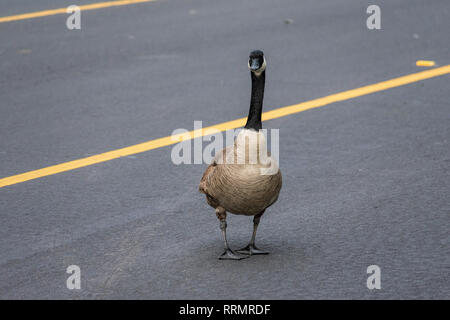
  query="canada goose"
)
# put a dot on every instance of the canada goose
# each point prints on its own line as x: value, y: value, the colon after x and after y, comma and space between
x: 236, y: 184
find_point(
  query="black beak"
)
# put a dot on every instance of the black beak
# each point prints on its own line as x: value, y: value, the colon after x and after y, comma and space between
x: 254, y: 65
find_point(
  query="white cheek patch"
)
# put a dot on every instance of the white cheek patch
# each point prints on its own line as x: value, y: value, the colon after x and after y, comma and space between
x: 260, y: 70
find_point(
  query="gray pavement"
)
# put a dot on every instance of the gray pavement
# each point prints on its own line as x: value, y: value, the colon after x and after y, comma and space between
x: 366, y: 181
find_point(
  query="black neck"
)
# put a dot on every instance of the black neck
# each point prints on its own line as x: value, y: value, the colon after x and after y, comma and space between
x: 256, y: 102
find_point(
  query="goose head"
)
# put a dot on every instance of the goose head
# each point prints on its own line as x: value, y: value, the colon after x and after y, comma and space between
x: 257, y: 62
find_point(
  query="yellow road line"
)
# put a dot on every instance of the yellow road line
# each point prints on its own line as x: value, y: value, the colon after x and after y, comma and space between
x: 92, y: 6
x: 425, y: 63
x: 273, y: 114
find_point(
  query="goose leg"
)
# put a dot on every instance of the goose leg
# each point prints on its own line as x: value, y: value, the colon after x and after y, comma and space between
x: 228, y: 254
x: 251, y: 249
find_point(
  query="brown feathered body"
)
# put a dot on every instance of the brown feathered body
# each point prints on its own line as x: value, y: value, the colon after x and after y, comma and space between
x: 239, y: 183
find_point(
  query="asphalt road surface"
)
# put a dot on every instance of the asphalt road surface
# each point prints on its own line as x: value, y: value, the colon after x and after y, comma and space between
x: 366, y: 180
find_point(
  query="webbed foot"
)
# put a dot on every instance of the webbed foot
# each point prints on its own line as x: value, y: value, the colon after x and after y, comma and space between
x: 229, y: 254
x: 250, y: 250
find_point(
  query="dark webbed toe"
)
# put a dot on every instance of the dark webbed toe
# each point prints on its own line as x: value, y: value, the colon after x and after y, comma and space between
x: 251, y: 249
x: 229, y: 254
